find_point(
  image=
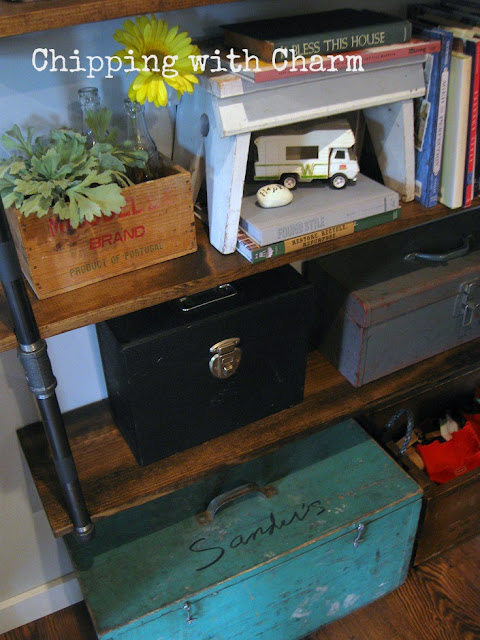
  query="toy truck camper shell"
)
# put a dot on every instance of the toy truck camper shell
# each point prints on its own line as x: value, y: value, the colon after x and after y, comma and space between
x: 322, y: 152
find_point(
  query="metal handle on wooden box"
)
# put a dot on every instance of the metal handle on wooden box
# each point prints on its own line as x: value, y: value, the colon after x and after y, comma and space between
x: 410, y: 426
x: 188, y: 608
x: 360, y: 532
x: 229, y: 496
x: 441, y: 257
x: 204, y: 298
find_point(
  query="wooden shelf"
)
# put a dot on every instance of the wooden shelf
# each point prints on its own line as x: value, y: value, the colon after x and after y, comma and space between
x: 186, y: 275
x: 112, y: 481
x: 25, y: 17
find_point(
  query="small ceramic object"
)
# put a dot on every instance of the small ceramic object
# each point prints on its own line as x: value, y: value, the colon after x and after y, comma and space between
x: 274, y: 195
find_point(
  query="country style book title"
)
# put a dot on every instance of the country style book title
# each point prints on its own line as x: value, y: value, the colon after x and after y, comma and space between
x: 328, y: 32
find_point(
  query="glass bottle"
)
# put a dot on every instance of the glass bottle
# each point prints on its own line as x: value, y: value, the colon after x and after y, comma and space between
x: 89, y: 101
x: 138, y: 133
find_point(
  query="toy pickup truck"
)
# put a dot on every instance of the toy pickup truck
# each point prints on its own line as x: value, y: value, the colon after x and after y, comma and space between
x: 322, y: 152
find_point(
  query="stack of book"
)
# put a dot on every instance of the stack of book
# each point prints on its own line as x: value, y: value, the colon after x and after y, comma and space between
x: 300, y: 49
x: 456, y: 24
x: 319, y: 44
x: 446, y: 35
x: 316, y: 215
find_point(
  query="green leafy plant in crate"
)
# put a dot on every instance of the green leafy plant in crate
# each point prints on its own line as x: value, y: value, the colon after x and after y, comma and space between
x: 62, y: 175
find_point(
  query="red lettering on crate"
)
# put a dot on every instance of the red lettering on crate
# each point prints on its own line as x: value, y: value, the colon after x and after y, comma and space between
x: 56, y: 226
x: 130, y: 208
x: 110, y: 239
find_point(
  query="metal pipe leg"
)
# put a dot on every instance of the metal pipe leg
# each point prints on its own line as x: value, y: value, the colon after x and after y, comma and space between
x: 42, y: 384
x: 32, y: 353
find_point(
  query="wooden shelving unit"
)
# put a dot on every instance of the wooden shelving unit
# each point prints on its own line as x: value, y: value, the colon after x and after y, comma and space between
x: 26, y: 17
x: 112, y: 481
x: 110, y: 478
x: 186, y: 275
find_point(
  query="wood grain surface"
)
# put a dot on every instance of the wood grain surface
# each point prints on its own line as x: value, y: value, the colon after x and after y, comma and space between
x: 189, y: 274
x: 26, y: 17
x: 72, y: 623
x: 156, y: 224
x: 439, y: 601
x: 112, y: 481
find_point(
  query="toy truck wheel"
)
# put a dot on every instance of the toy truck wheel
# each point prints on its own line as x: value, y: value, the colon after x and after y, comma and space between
x: 290, y: 180
x: 338, y: 181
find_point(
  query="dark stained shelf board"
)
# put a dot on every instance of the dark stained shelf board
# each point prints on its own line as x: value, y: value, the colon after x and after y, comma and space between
x: 183, y: 276
x: 112, y: 481
x: 26, y: 17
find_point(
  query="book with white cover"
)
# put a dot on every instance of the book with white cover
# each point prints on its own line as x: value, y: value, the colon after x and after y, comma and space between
x: 456, y: 131
x: 316, y: 206
x: 227, y: 84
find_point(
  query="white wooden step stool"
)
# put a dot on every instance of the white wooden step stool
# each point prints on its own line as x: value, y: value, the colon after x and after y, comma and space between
x: 213, y: 133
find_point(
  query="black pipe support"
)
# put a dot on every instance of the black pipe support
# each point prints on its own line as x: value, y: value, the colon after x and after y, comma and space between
x: 32, y: 353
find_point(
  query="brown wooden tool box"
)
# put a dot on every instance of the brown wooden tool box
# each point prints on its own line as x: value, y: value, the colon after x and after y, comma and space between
x: 450, y: 512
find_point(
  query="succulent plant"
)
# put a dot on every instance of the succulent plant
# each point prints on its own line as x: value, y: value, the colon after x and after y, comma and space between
x: 63, y: 175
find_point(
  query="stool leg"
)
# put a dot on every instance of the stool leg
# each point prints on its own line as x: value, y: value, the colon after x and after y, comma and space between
x: 32, y: 353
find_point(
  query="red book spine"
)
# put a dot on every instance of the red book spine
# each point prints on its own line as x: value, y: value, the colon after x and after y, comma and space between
x: 473, y: 50
x: 369, y: 56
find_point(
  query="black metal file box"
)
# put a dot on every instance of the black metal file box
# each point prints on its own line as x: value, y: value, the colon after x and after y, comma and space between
x: 189, y: 370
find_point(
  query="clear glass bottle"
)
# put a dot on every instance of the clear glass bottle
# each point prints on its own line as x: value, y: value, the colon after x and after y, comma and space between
x: 89, y: 101
x: 138, y: 133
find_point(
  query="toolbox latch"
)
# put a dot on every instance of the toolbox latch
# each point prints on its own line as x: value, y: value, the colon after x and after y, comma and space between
x: 467, y: 303
x: 226, y: 359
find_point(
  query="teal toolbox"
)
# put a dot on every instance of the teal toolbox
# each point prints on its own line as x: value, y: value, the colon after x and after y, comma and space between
x: 331, y: 530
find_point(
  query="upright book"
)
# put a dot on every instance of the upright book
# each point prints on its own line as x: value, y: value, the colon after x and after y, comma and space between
x: 314, y: 208
x: 329, y: 32
x: 456, y: 131
x: 464, y: 28
x: 471, y: 47
x: 430, y: 111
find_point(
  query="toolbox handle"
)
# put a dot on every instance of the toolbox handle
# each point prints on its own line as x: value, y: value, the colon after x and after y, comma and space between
x: 204, y: 298
x: 410, y: 426
x: 229, y: 496
x: 441, y: 257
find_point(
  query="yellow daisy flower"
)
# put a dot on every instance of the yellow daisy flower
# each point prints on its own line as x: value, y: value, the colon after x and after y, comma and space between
x: 160, y: 55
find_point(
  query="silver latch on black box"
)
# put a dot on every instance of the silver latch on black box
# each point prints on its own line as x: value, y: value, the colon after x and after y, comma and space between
x: 226, y: 359
x: 467, y: 302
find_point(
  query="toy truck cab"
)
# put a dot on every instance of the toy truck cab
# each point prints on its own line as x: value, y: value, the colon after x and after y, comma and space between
x: 322, y: 152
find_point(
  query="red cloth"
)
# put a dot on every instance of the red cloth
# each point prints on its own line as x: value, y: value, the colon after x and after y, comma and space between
x: 447, y: 460
x: 475, y: 422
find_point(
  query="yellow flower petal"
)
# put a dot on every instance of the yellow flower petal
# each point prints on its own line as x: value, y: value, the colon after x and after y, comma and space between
x: 139, y: 81
x: 152, y: 91
x: 141, y: 93
x: 171, y: 36
x: 162, y: 95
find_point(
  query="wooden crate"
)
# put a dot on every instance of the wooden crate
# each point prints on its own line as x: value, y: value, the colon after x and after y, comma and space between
x: 331, y: 531
x: 156, y: 224
x: 451, y: 511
